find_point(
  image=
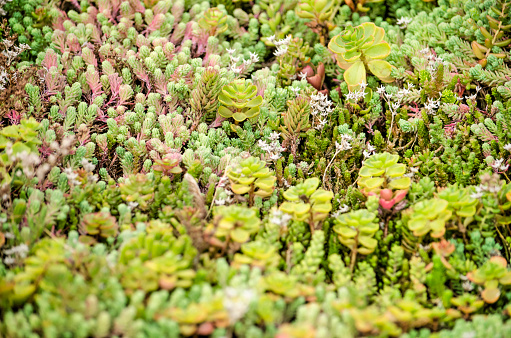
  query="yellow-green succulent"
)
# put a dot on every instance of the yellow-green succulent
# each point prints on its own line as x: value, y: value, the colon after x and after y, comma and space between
x: 360, y: 50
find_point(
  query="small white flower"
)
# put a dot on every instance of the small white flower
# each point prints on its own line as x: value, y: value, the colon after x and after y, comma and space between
x: 478, y: 88
x: 231, y: 51
x: 274, y: 136
x: 220, y: 201
x: 237, y: 301
x: 132, y: 205
x: 254, y: 57
x: 403, y: 22
x: 380, y: 90
x: 303, y: 76
x: 295, y: 90
x: 508, y: 147
x: 476, y: 195
x: 271, y: 39
x: 281, y: 50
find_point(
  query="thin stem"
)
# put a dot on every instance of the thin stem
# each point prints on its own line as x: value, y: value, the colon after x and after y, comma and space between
x: 328, y: 166
x: 354, y: 253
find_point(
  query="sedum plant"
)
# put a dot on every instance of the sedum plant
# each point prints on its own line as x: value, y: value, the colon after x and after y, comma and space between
x: 359, y: 50
x: 100, y: 224
x: 492, y: 274
x: 252, y: 177
x: 356, y: 230
x: 239, y: 100
x: 382, y: 175
x: 233, y: 223
x: 305, y: 202
x: 429, y: 216
x: 461, y: 204
x: 214, y: 21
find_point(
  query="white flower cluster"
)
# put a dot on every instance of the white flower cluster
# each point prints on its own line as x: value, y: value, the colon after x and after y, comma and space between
x: 71, y: 176
x: 237, y: 67
x: 345, y: 144
x: 359, y: 94
x: 237, y: 301
x: 279, y: 218
x: 473, y: 96
x: 321, y: 108
x: 14, y: 253
x: 273, y: 149
x: 282, y: 45
x: 11, y: 52
x: 342, y: 210
x: 369, y: 151
x: 403, y: 22
x: 499, y: 165
x: 482, y: 189
x: 432, y: 105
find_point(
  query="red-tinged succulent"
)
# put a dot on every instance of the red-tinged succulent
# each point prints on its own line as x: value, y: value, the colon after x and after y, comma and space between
x: 492, y: 274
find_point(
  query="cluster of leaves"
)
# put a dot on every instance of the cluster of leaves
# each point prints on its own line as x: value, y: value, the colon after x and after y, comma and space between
x: 255, y: 168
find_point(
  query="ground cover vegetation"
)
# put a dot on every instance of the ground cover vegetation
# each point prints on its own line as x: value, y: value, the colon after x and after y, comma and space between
x: 233, y: 168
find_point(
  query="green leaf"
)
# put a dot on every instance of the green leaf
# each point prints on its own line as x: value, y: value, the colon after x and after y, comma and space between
x: 345, y: 231
x: 368, y: 172
x: 224, y: 112
x: 224, y: 99
x: 18, y: 148
x: 396, y: 170
x: 400, y: 183
x: 335, y: 45
x: 378, y: 51
x: 322, y: 208
x: 368, y: 242
x: 240, y: 189
x: 351, y: 56
x: 373, y: 183
x: 257, y: 101
x: 239, y: 117
x: 355, y: 75
x: 381, y: 69
x: 239, y: 235
x: 321, y: 195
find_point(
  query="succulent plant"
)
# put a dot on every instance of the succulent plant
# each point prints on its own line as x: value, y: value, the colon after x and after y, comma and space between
x: 319, y: 12
x: 467, y: 303
x: 382, y: 175
x: 305, y: 202
x: 460, y: 201
x: 372, y: 320
x: 168, y: 165
x: 234, y: 223
x: 492, y: 274
x: 429, y: 216
x: 281, y: 283
x: 138, y: 189
x: 214, y: 21
x: 199, y: 318
x: 99, y: 224
x: 257, y: 254
x: 239, y: 100
x: 356, y: 230
x: 361, y: 49
x: 412, y: 313
x: 295, y: 121
x: 253, y: 177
